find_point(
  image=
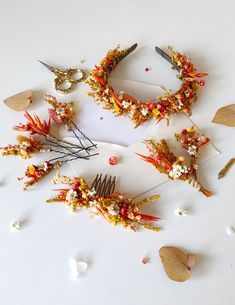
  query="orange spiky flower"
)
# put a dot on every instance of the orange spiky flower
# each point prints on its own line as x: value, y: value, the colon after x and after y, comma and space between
x: 34, y: 125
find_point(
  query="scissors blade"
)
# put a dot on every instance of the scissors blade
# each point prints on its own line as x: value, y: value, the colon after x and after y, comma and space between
x: 47, y: 66
x: 122, y: 56
x: 167, y: 57
x: 129, y: 50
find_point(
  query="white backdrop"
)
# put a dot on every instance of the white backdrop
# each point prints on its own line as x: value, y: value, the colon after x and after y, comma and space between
x: 33, y: 262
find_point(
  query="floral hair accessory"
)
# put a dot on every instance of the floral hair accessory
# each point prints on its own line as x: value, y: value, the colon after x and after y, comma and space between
x: 63, y: 113
x: 160, y: 107
x: 25, y: 148
x: 114, y: 207
x: 42, y: 140
x: 35, y: 173
x: 174, y: 167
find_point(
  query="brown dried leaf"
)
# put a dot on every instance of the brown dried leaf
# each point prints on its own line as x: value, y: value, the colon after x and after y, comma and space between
x: 225, y: 116
x: 20, y: 101
x: 176, y: 263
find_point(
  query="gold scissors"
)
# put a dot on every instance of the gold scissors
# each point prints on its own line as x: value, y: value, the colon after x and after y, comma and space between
x: 64, y: 77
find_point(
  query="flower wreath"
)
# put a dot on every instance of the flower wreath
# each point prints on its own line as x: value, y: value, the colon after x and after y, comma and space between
x: 159, y: 107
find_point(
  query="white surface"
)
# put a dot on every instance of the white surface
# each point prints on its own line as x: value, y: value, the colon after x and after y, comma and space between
x: 33, y: 262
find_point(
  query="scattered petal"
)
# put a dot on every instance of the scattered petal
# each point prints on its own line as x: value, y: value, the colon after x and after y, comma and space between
x: 145, y: 260
x: 180, y: 212
x: 15, y: 225
x: 230, y: 230
x: 113, y: 160
x: 82, y: 267
x: 77, y: 268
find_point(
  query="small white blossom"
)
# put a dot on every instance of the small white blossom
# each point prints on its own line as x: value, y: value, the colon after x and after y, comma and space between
x: 144, y: 111
x: 230, y: 230
x: 25, y: 144
x: 192, y: 150
x: 180, y: 104
x: 113, y: 210
x: 180, y: 212
x: 125, y: 104
x: 71, y: 195
x: 45, y: 166
x: 131, y: 215
x: 77, y: 268
x: 15, y: 225
x: 60, y: 111
x: 177, y: 171
x: 91, y: 193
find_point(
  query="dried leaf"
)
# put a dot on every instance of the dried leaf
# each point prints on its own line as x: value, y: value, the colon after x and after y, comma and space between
x: 176, y: 263
x: 225, y: 116
x: 20, y: 101
x: 191, y: 260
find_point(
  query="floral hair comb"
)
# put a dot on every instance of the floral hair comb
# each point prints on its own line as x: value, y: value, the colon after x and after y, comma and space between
x: 101, y: 199
x: 41, y: 140
x: 160, y: 107
x: 175, y: 167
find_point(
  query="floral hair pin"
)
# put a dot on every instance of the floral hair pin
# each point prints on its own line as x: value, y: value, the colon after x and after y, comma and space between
x: 41, y: 140
x: 160, y: 107
x: 174, y: 167
x: 101, y: 199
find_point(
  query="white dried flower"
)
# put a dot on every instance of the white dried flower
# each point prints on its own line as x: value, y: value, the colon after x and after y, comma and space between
x: 45, y: 166
x: 77, y: 268
x: 15, y: 225
x: 192, y: 150
x: 91, y: 193
x: 230, y: 230
x: 71, y: 195
x: 177, y: 171
x: 125, y: 104
x: 180, y: 212
x: 144, y: 111
x: 180, y: 104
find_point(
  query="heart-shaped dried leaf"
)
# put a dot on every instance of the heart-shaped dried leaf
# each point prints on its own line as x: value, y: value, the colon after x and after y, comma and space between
x: 176, y: 263
x: 20, y: 101
x: 225, y: 116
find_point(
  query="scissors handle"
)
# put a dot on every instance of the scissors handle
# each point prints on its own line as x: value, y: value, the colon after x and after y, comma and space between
x: 66, y: 78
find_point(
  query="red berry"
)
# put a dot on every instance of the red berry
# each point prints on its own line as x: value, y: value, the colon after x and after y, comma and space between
x: 150, y: 105
x: 76, y: 185
x: 186, y: 141
x: 113, y: 160
x: 202, y: 83
x: 182, y: 98
x: 191, y: 95
x: 184, y: 131
x: 97, y: 197
x: 185, y: 71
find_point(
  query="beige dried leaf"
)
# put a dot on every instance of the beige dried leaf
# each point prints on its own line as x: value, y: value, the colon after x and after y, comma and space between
x: 20, y: 101
x: 225, y: 116
x: 176, y: 263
